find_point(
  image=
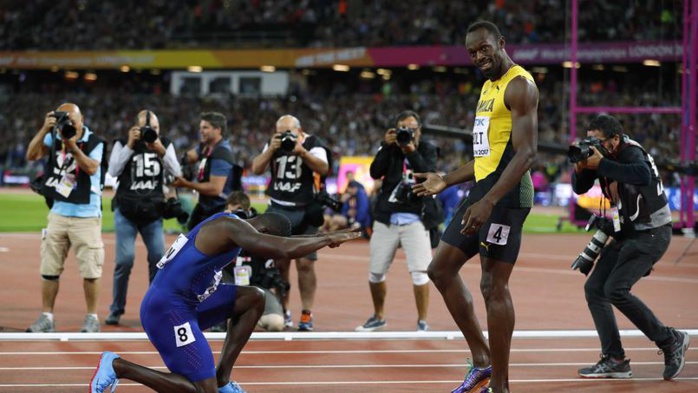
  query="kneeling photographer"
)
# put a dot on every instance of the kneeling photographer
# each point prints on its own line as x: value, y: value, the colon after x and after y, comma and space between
x: 140, y: 162
x: 641, y: 231
x: 400, y: 217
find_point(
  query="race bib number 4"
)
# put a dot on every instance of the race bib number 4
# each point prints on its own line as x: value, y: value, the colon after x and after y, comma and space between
x: 498, y: 234
x: 184, y: 335
x: 481, y: 140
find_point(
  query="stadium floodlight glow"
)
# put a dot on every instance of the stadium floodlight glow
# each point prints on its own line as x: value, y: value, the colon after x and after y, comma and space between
x: 367, y: 75
x: 598, y: 67
x: 195, y: 68
x: 90, y: 77
x: 125, y: 68
x: 439, y: 69
x: 651, y: 63
x: 383, y: 71
x: 620, y: 68
x: 568, y: 64
x: 540, y: 70
x: 154, y: 71
x: 71, y: 75
x: 55, y: 68
x: 267, y: 68
x: 413, y: 67
x: 340, y: 67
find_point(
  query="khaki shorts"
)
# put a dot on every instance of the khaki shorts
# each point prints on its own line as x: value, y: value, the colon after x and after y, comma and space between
x: 385, y: 240
x: 62, y: 233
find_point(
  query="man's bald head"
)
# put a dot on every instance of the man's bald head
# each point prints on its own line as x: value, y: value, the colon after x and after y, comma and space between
x: 288, y: 122
x: 154, y: 122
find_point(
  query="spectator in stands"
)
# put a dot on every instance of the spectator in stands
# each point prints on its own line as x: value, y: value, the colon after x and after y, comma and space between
x: 74, y: 181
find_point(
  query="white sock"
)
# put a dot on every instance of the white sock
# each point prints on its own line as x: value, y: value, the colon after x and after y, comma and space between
x: 49, y: 315
x: 94, y: 315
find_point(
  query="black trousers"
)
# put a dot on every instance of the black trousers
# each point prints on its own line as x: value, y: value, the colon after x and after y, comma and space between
x: 620, y: 266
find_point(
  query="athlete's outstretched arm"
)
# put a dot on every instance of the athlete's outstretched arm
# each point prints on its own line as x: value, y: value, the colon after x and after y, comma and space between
x: 225, y: 233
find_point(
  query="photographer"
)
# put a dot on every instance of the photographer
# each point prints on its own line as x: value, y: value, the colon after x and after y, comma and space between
x: 355, y: 212
x: 297, y: 162
x: 399, y: 218
x: 216, y: 173
x: 139, y: 162
x: 641, y: 230
x: 74, y: 181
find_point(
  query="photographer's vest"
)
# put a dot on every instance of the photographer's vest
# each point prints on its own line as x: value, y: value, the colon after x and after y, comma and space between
x: 143, y: 174
x: 492, y: 143
x: 640, y: 207
x: 61, y: 165
x: 291, y: 179
x: 219, y: 152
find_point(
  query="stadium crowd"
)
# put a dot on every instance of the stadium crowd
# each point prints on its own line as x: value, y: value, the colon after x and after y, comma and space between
x: 158, y: 24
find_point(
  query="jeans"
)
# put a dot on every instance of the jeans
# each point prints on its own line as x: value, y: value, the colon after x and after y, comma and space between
x: 620, y: 266
x: 126, y: 232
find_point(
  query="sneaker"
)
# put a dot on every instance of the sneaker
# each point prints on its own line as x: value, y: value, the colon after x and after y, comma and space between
x: 476, y: 378
x: 675, y: 355
x: 90, y: 325
x: 422, y: 326
x: 104, y: 375
x: 113, y: 319
x: 306, y: 322
x: 231, y: 387
x: 372, y: 324
x: 42, y: 325
x: 607, y: 368
x: 288, y: 320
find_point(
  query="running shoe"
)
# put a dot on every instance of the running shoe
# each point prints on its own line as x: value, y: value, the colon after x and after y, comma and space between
x: 42, y: 325
x: 675, y: 354
x: 306, y: 322
x: 231, y: 387
x: 372, y: 324
x: 607, y: 368
x: 476, y: 378
x: 104, y: 375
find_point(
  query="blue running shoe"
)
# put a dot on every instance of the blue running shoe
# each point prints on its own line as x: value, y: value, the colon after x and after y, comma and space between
x: 477, y: 378
x: 231, y: 387
x: 104, y: 375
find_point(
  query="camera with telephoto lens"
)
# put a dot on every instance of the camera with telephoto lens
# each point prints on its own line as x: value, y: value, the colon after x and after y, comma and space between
x: 403, y: 193
x: 64, y: 125
x: 326, y: 200
x: 604, y: 229
x: 583, y: 150
x: 404, y: 135
x: 173, y: 209
x: 288, y: 141
x: 148, y: 133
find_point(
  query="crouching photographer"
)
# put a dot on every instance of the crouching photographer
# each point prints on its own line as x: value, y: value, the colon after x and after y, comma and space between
x: 641, y: 231
x: 140, y: 162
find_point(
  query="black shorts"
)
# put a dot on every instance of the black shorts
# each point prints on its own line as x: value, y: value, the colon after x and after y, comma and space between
x: 498, y: 238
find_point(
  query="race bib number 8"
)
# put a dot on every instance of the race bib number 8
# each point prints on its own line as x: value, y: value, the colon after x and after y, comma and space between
x: 498, y: 234
x: 481, y: 140
x: 184, y: 335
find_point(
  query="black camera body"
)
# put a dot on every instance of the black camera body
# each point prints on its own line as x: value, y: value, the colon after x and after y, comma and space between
x: 604, y: 229
x: 404, y: 136
x: 324, y: 198
x: 173, y: 209
x: 288, y: 141
x: 148, y: 133
x: 64, y: 125
x: 403, y: 193
x: 583, y: 150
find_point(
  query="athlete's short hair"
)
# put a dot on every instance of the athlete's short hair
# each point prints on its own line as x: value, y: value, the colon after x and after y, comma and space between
x: 276, y: 224
x: 489, y: 26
